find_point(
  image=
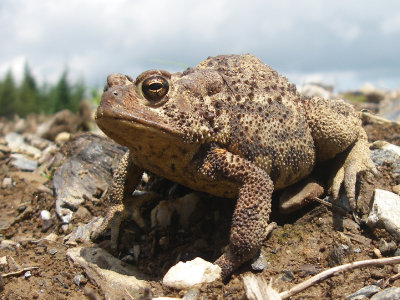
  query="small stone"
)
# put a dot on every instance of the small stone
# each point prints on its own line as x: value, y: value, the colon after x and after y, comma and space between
x: 82, y: 214
x: 114, y: 278
x: 377, y: 253
x: 45, y: 215
x: 82, y: 232
x: 161, y: 215
x: 366, y: 291
x: 192, y: 294
x: 185, y: 206
x: 387, y: 248
x: 185, y: 275
x: 396, y: 189
x: 9, y: 244
x: 62, y: 138
x: 17, y: 144
x: 385, y: 212
x: 136, y: 252
x: 357, y: 250
x: 27, y: 274
x: 24, y: 163
x: 51, y: 237
x: 260, y: 263
x: 79, y: 279
x: 287, y: 276
x: 52, y: 251
x: 3, y: 264
x: 392, y: 293
x: 6, y: 183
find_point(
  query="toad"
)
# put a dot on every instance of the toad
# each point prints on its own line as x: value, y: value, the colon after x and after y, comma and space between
x: 232, y: 127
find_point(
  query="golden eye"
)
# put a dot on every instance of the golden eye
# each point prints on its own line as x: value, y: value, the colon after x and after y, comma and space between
x: 155, y: 88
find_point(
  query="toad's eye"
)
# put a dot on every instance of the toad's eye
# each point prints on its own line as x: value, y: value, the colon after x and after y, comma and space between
x: 155, y: 88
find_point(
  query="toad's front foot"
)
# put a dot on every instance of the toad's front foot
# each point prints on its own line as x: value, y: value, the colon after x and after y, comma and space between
x: 119, y: 213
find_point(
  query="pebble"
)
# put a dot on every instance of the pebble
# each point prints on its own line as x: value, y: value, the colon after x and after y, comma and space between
x: 260, y: 263
x: 17, y: 144
x: 188, y: 274
x: 287, y: 276
x: 366, y: 291
x: 161, y: 215
x: 385, y: 212
x: 192, y: 294
x: 62, y: 138
x: 185, y: 206
x: 6, y: 183
x: 52, y: 251
x: 392, y: 293
x: 27, y: 274
x: 136, y: 252
x: 3, y: 264
x: 387, y: 248
x: 383, y: 153
x: 24, y: 163
x: 79, y: 279
x: 9, y: 244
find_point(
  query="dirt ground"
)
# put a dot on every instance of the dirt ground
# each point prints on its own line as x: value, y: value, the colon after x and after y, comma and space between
x: 304, y: 243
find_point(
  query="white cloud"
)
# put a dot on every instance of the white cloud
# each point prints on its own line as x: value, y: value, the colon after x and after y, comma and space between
x: 391, y: 24
x: 16, y: 66
x: 94, y: 38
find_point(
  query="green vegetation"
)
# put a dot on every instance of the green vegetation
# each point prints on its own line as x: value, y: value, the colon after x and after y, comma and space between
x: 354, y: 97
x: 28, y: 97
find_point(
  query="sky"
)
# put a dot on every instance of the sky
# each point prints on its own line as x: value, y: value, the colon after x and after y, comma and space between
x: 340, y: 42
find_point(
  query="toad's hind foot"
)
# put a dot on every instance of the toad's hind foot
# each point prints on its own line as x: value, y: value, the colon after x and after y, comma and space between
x: 355, y: 161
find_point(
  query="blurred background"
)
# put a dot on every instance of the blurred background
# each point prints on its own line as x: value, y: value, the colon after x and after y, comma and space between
x: 54, y: 54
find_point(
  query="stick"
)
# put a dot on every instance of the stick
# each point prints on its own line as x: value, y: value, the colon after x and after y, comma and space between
x: 19, y: 272
x: 334, y: 271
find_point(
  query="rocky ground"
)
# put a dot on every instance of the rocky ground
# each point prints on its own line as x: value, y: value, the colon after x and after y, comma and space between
x: 46, y: 217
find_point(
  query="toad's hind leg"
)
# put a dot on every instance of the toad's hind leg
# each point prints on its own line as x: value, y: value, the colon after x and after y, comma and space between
x: 251, y: 214
x: 125, y: 179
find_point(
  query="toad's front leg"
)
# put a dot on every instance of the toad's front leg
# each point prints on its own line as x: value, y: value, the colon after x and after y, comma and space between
x: 121, y: 205
x: 251, y: 214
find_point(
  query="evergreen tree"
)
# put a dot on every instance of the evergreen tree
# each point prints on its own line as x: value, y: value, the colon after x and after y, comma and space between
x: 28, y: 96
x: 62, y: 93
x: 8, y: 95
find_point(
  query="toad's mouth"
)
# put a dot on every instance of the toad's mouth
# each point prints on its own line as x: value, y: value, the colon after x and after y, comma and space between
x: 125, y: 127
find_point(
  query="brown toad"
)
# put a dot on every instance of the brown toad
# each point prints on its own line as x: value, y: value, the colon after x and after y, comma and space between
x: 231, y: 127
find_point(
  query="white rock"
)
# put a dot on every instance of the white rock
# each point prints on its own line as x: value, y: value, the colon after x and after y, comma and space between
x: 185, y: 206
x: 62, y: 138
x: 385, y: 212
x: 391, y: 147
x: 23, y: 162
x: 45, y: 215
x: 3, y: 264
x: 188, y: 274
x: 6, y: 183
x: 161, y: 214
x: 17, y: 143
x: 116, y: 279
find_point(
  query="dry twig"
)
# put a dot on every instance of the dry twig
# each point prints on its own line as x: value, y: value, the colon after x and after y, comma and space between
x: 336, y: 270
x: 19, y: 272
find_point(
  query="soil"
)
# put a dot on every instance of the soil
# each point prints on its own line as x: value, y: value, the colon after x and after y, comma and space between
x: 304, y: 243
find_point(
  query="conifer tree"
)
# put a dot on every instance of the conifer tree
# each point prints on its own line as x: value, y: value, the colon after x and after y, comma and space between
x: 8, y: 95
